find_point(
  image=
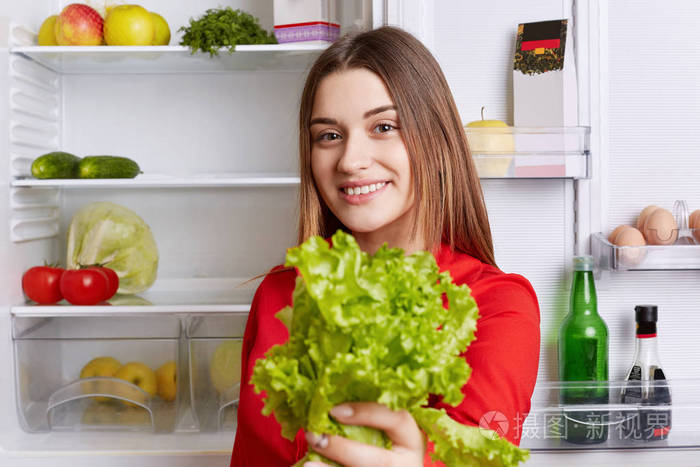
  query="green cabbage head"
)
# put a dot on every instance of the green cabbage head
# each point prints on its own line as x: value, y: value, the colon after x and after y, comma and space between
x: 113, y: 236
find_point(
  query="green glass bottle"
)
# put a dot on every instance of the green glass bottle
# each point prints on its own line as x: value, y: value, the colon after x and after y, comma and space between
x: 583, y: 356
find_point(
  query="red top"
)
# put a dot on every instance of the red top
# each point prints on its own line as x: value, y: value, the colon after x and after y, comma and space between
x: 504, y: 359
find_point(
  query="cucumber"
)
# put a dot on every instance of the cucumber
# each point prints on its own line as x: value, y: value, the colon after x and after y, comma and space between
x: 56, y: 164
x: 107, y: 167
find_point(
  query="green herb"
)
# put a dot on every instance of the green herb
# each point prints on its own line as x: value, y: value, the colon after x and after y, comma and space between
x: 224, y: 28
x: 374, y: 328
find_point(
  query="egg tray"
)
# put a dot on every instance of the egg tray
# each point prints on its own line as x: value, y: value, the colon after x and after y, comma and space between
x: 682, y: 254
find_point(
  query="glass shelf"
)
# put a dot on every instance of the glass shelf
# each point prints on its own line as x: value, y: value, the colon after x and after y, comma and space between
x: 520, y: 152
x: 170, y: 59
x: 167, y: 296
x: 611, y: 257
x: 629, y: 425
x: 168, y: 181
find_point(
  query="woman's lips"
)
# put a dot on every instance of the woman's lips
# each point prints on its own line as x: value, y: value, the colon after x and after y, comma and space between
x: 361, y: 197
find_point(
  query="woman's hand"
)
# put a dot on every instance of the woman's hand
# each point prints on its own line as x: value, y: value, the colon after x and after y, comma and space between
x: 407, y: 440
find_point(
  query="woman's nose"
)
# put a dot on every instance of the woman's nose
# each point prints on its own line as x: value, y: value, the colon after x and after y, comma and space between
x: 356, y: 154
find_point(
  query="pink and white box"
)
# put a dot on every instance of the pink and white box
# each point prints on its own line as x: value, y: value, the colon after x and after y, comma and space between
x: 306, y: 21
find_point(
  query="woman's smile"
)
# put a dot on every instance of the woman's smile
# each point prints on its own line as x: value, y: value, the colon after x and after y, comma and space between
x: 362, y: 192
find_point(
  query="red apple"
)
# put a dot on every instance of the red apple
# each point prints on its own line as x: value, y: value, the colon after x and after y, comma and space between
x: 79, y: 24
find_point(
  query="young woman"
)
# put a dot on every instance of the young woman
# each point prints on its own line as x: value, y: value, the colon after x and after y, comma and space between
x: 383, y: 155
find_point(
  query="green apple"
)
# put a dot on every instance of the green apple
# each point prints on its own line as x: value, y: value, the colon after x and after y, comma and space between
x: 225, y: 365
x: 140, y: 375
x: 100, y: 366
x: 167, y: 381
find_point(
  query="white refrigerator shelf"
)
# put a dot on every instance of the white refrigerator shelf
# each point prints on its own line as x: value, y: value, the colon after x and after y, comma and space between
x: 169, y: 181
x: 167, y: 295
x: 170, y: 59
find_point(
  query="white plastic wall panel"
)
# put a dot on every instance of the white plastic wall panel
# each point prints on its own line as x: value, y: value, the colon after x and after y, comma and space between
x: 653, y: 113
x: 531, y: 220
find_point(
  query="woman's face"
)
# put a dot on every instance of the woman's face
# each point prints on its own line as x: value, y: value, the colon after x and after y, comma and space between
x: 358, y: 157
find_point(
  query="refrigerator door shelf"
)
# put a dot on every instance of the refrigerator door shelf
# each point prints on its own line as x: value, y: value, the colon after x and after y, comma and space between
x: 630, y: 425
x: 611, y: 257
x: 170, y: 59
x: 530, y: 152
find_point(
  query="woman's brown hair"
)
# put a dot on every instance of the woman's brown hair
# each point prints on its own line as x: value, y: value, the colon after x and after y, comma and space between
x: 447, y: 190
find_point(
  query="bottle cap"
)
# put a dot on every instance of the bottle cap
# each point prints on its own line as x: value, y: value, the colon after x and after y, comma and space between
x: 583, y: 263
x: 646, y: 313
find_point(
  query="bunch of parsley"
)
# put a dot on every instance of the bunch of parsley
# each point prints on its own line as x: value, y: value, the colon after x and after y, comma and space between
x: 374, y: 328
x: 224, y: 28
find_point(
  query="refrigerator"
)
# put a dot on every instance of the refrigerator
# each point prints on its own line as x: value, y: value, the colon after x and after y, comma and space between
x: 216, y: 140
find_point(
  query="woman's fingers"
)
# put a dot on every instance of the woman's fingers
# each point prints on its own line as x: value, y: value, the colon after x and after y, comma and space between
x: 351, y: 453
x: 399, y: 425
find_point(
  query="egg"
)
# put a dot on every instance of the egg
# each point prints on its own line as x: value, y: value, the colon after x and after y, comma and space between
x: 613, y: 235
x: 628, y: 239
x: 660, y: 227
x: 694, y: 223
x: 643, y: 216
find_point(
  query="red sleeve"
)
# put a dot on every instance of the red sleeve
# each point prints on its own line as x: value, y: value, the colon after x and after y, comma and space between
x: 258, y: 438
x: 504, y: 357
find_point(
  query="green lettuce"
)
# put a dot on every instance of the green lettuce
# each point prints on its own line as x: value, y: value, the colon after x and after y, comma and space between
x: 373, y: 328
x: 111, y: 235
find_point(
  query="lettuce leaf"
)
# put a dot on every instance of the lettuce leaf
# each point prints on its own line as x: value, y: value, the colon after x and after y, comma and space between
x: 374, y: 328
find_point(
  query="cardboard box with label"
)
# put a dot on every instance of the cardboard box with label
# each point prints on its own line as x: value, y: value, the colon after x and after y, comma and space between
x: 544, y: 90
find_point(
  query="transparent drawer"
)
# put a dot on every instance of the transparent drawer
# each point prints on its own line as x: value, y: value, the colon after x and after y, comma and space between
x: 97, y: 372
x: 613, y: 415
x: 214, y: 344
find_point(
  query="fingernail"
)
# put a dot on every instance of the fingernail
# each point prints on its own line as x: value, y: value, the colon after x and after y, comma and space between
x: 342, y: 411
x: 317, y: 441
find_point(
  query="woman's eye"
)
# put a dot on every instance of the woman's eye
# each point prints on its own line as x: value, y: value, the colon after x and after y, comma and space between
x: 328, y: 136
x: 384, y: 127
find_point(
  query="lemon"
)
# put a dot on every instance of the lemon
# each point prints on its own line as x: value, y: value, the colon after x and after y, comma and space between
x: 129, y: 25
x: 162, y: 30
x: 47, y: 36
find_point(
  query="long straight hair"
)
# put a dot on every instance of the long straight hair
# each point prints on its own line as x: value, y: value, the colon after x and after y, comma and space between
x: 450, y: 205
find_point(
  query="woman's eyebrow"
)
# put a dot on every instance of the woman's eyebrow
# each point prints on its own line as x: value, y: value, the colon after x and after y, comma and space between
x: 378, y: 110
x: 327, y: 121
x: 369, y: 113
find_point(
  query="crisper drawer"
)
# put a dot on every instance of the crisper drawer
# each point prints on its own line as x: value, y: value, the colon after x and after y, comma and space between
x: 97, y: 372
x: 214, y: 345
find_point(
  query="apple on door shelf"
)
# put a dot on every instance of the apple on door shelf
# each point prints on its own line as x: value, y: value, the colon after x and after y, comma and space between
x: 493, y: 142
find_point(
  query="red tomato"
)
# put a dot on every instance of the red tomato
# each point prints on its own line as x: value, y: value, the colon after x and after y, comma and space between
x: 113, y: 281
x: 41, y: 284
x: 84, y: 286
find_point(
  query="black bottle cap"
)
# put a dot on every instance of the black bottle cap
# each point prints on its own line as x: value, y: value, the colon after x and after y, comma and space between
x: 646, y: 313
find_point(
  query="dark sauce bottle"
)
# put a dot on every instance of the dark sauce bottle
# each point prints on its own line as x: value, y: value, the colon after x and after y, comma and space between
x: 646, y: 384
